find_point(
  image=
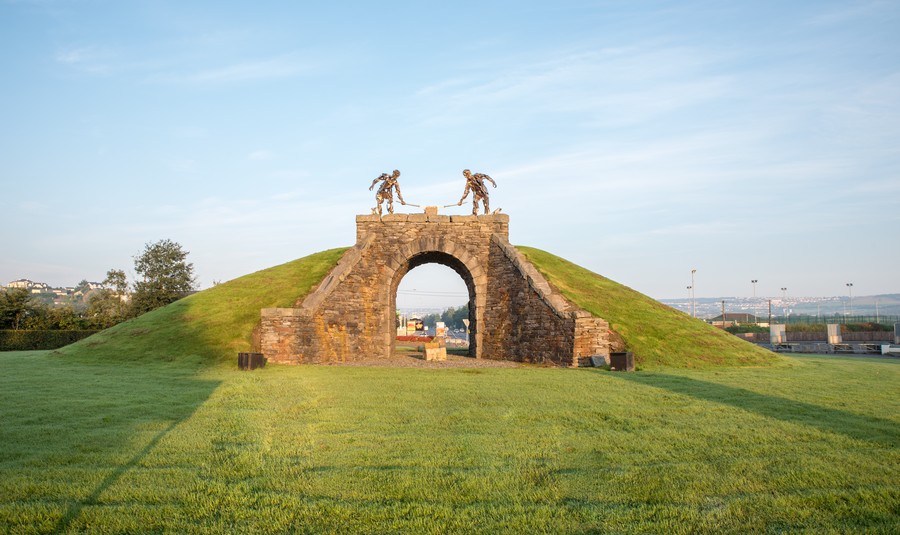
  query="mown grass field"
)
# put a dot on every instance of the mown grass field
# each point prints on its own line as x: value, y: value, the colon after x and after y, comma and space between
x: 808, y: 445
x: 149, y: 427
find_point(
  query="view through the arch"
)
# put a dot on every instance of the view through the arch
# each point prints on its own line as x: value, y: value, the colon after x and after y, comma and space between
x: 429, y: 296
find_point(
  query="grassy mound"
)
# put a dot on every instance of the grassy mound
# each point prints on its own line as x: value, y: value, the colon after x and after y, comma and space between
x: 215, y: 324
x: 212, y: 325
x: 657, y: 334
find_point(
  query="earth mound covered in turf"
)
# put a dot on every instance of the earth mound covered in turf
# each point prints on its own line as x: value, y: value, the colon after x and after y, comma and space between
x: 657, y: 334
x: 212, y: 326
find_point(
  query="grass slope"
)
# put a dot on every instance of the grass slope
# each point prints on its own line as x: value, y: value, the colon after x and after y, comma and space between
x: 657, y: 334
x: 215, y: 324
x: 162, y: 447
x: 212, y: 325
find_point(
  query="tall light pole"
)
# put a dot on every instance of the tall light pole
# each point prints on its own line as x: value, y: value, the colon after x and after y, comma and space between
x: 850, y: 289
x: 693, y: 291
x: 689, y: 298
x: 784, y: 303
x: 753, y: 282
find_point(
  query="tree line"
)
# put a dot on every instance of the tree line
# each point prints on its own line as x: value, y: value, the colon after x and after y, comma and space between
x: 452, y: 317
x: 164, y: 274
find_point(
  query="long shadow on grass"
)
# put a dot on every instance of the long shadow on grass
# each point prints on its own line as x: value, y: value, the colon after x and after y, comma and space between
x: 855, y: 426
x: 150, y: 396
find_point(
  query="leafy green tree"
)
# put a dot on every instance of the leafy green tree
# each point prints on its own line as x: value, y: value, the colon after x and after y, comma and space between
x: 166, y: 276
x: 15, y: 304
x: 63, y: 318
x: 453, y: 317
x: 110, y: 305
x: 430, y: 320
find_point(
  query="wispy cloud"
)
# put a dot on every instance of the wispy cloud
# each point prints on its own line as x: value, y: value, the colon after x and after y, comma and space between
x: 261, y: 155
x: 90, y: 59
x: 166, y: 68
x: 608, y: 85
x: 832, y: 15
x: 260, y: 69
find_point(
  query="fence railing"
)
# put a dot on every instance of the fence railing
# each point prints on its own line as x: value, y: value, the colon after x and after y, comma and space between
x: 872, y: 336
x: 834, y: 318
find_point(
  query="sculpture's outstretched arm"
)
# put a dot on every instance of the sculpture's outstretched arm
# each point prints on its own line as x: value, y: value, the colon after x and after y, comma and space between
x: 491, y: 179
x: 382, y: 177
x: 465, y: 194
x: 399, y: 195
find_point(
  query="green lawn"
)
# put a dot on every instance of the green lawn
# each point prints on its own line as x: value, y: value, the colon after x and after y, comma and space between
x: 86, y: 444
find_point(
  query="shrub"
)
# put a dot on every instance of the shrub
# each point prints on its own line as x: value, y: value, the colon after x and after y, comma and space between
x: 36, y: 340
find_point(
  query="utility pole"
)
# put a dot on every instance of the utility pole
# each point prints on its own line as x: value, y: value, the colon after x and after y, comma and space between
x: 784, y: 303
x: 723, y: 313
x: 850, y: 290
x: 753, y: 282
x: 693, y: 291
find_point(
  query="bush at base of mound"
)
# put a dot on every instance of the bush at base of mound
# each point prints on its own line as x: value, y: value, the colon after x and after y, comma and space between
x: 657, y: 334
x: 213, y: 325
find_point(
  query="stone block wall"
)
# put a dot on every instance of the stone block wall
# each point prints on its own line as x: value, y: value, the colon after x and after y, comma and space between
x: 514, y: 313
x: 531, y: 322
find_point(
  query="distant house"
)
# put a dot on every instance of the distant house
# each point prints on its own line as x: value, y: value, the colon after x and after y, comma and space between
x: 733, y: 318
x: 21, y: 283
x: 40, y: 288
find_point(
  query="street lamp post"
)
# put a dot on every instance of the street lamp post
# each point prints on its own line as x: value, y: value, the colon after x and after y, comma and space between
x: 753, y: 282
x: 693, y: 291
x: 689, y: 298
x: 784, y: 303
x: 850, y: 290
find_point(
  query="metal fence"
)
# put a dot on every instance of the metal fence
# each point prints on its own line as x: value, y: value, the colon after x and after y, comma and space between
x: 878, y: 336
x: 835, y: 318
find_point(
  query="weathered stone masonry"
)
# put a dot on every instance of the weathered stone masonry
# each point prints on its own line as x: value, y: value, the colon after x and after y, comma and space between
x: 513, y: 311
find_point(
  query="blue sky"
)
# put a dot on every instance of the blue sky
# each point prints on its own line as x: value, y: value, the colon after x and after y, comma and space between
x: 747, y: 140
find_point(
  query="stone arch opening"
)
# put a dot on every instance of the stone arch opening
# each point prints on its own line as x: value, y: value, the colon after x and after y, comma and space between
x: 457, y: 265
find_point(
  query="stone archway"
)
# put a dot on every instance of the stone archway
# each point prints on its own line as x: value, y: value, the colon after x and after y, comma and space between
x: 351, y: 314
x: 457, y: 265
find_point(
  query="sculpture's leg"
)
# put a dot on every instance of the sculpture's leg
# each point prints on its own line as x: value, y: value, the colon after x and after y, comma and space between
x: 475, y: 206
x: 484, y: 202
x: 390, y: 203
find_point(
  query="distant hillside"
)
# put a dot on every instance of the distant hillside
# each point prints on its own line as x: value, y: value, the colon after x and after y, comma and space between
x: 657, y: 334
x: 215, y: 324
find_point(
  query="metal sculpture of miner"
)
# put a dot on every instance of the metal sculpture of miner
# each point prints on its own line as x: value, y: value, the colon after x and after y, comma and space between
x: 475, y: 183
x: 385, y: 192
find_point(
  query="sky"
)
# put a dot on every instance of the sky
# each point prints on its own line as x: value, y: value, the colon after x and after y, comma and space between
x: 641, y: 140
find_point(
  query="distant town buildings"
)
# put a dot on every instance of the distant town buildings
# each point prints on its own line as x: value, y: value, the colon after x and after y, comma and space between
x: 56, y: 295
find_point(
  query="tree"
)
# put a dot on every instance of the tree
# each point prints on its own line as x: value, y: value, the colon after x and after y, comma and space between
x: 109, y: 305
x: 15, y: 304
x: 166, y: 276
x: 42, y: 317
x: 453, y: 317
